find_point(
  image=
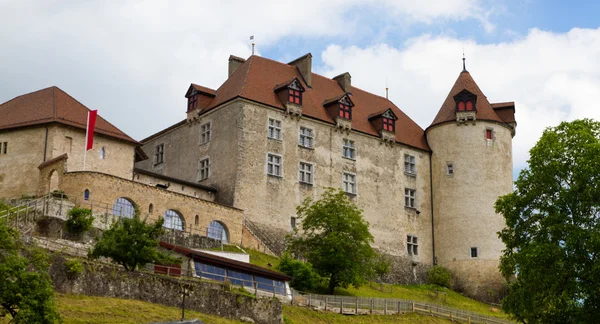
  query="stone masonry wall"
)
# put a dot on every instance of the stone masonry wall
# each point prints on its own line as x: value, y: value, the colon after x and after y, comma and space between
x: 209, y: 298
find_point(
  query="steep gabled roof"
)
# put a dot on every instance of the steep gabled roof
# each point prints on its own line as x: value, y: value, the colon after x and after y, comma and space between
x: 483, y: 106
x: 256, y: 78
x: 53, y: 105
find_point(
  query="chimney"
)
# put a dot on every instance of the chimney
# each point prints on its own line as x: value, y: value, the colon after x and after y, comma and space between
x: 304, y: 65
x: 345, y: 81
x: 234, y: 63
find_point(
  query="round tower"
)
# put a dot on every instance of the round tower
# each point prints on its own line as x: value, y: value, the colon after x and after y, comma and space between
x: 471, y: 143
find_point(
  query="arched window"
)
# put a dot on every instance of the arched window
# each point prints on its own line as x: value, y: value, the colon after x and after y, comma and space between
x: 173, y: 220
x: 150, y: 208
x: 123, y: 207
x: 102, y: 153
x: 469, y: 105
x: 461, y: 106
x: 218, y: 231
x: 196, y: 220
x: 86, y: 194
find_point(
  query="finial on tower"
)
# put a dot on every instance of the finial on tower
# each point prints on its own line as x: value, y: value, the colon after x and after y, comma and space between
x: 464, y: 59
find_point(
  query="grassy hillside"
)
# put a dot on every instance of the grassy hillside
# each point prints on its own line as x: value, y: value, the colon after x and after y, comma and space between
x: 300, y: 315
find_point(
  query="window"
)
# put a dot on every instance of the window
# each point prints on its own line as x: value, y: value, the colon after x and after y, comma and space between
x: 102, y: 153
x: 196, y: 220
x: 349, y: 183
x: 293, y: 222
x: 345, y: 111
x: 86, y: 194
x: 274, y: 165
x: 192, y: 102
x: 159, y: 155
x: 412, y: 245
x: 205, y: 133
x: 409, y: 164
x: 173, y: 220
x: 348, y: 150
x: 123, y: 207
x: 488, y: 134
x: 150, y: 208
x: 274, y: 129
x: 409, y: 198
x: 305, y: 173
x: 388, y: 124
x: 306, y: 137
x: 474, y: 252
x: 3, y: 147
x: 203, y: 169
x: 216, y: 230
x: 465, y: 105
x: 295, y: 96
x: 449, y: 169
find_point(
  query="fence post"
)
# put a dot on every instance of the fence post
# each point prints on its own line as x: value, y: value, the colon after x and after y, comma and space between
x: 292, y: 301
x: 371, y: 307
x: 398, y: 311
x: 356, y: 309
x: 309, y: 300
x: 413, y: 307
x: 385, y: 307
x: 469, y: 318
x: 326, y: 300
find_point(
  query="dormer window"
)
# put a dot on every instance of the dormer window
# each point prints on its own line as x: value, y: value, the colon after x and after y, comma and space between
x: 465, y: 101
x: 465, y: 106
x: 345, y: 111
x: 192, y: 102
x: 388, y: 124
x: 295, y: 96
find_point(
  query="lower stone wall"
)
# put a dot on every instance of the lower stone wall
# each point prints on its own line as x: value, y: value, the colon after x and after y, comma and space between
x: 404, y: 271
x: 210, y: 298
x: 478, y: 279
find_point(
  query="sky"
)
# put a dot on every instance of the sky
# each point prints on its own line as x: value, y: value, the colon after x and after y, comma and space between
x: 134, y: 60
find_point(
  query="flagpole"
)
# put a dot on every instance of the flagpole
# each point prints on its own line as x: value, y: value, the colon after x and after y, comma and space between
x: 87, y: 131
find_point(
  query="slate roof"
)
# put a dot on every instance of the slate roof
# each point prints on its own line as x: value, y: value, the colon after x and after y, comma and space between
x: 52, y: 105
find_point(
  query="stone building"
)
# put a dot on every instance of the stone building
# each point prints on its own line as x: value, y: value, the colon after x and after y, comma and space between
x: 274, y: 134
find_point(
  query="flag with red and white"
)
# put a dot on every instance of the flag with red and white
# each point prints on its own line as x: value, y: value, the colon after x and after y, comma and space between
x: 89, y: 134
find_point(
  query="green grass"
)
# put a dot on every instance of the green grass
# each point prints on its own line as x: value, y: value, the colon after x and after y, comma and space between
x: 301, y: 315
x: 76, y: 309
x: 228, y: 248
x: 262, y: 260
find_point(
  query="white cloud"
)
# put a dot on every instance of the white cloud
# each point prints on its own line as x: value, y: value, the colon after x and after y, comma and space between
x: 551, y: 76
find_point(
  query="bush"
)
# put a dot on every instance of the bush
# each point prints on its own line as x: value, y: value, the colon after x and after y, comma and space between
x: 80, y: 220
x: 440, y: 276
x: 59, y: 194
x: 304, y: 278
x: 74, y: 268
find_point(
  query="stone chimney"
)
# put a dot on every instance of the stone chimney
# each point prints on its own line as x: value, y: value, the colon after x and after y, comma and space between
x: 304, y: 65
x: 234, y: 63
x: 345, y: 81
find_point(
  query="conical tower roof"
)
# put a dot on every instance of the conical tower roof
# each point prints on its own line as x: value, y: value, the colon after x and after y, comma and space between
x: 465, y: 82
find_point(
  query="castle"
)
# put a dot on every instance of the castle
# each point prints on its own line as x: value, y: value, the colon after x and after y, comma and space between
x: 274, y: 134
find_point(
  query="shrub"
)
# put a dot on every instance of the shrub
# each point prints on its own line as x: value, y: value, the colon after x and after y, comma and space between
x: 80, y: 220
x: 74, y: 268
x: 304, y: 278
x: 59, y: 194
x: 440, y: 276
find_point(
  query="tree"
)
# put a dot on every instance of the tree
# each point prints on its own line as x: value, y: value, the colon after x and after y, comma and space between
x: 304, y: 278
x: 80, y: 220
x: 335, y: 239
x: 26, y: 292
x: 132, y: 243
x: 552, y: 232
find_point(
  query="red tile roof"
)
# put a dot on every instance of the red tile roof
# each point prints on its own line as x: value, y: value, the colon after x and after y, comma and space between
x: 205, y: 90
x: 485, y: 111
x: 256, y: 78
x: 52, y: 105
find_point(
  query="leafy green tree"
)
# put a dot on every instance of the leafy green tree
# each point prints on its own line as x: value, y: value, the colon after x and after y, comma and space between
x: 80, y: 220
x: 133, y: 243
x: 552, y: 232
x: 26, y: 292
x: 304, y: 278
x: 440, y: 276
x: 335, y: 239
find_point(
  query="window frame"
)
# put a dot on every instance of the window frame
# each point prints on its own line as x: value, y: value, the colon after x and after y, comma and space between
x: 159, y: 154
x: 412, y: 245
x: 295, y: 96
x: 310, y: 173
x: 354, y: 182
x: 348, y: 146
x: 412, y: 199
x: 293, y: 222
x: 203, y: 168
x: 205, y: 133
x: 344, y: 111
x: 102, y: 153
x: 278, y: 164
x: 410, y: 161
x: 476, y: 249
x: 192, y: 102
x: 302, y: 137
x: 274, y: 127
x: 449, y: 169
x: 389, y: 124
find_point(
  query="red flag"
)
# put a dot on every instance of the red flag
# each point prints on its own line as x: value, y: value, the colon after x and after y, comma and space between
x: 89, y: 135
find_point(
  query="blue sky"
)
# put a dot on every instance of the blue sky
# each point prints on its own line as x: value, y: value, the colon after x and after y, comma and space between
x: 134, y: 60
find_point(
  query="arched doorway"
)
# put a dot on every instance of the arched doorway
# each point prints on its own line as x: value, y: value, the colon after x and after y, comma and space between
x: 218, y: 231
x: 53, y: 181
x: 124, y: 207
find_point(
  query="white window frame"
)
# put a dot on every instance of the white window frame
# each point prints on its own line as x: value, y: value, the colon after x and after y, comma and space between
x: 412, y: 245
x: 160, y: 153
x: 293, y: 222
x: 273, y: 164
x: 205, y: 132
x: 274, y: 129
x: 306, y: 137
x: 348, y: 149
x: 303, y: 172
x: 410, y: 164
x: 203, y: 169
x: 449, y: 169
x: 410, y: 198
x: 346, y: 182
